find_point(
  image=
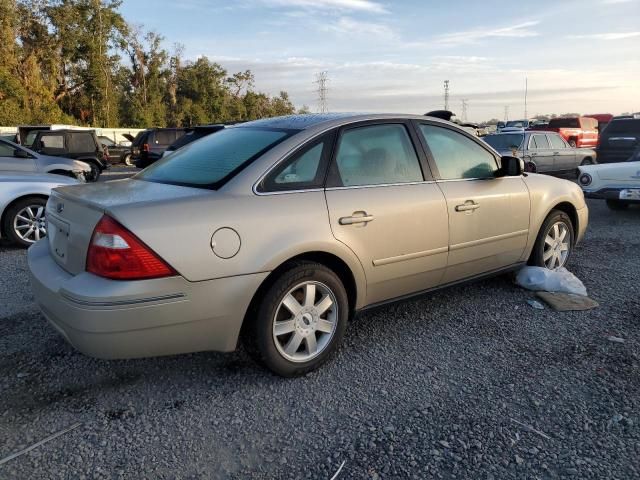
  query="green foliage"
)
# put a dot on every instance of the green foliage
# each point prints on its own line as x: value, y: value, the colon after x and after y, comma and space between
x: 78, y: 61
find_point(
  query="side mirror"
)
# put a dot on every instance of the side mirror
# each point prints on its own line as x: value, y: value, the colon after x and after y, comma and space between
x: 18, y: 153
x: 511, y: 166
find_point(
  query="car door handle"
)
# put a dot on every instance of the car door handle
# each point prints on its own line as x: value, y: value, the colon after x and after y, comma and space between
x: 363, y: 218
x: 466, y: 207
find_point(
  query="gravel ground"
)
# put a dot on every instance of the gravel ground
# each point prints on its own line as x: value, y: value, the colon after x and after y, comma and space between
x: 469, y: 382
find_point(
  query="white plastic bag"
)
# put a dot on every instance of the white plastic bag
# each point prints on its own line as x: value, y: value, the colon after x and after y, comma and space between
x: 543, y: 279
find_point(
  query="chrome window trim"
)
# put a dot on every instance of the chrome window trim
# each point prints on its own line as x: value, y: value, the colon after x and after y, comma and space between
x: 422, y: 182
x: 477, y: 178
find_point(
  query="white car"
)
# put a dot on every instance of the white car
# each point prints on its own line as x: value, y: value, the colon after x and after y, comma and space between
x: 23, y: 197
x: 617, y: 183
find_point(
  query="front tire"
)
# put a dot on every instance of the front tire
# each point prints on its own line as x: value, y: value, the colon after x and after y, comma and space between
x: 617, y: 205
x: 127, y: 160
x: 300, y: 320
x: 24, y: 222
x: 94, y: 174
x: 554, y: 243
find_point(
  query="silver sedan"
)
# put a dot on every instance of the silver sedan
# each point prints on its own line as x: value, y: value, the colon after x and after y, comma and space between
x: 278, y: 231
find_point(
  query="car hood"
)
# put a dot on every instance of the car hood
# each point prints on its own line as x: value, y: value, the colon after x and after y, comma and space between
x: 615, y: 171
x: 75, y: 165
x: 28, y: 177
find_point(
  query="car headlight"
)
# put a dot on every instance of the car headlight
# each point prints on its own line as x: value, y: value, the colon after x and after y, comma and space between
x: 585, y: 179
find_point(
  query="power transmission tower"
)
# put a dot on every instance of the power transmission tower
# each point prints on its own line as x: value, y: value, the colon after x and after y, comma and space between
x: 465, y: 104
x: 321, y: 79
x: 446, y: 94
x: 526, y: 90
x: 506, y: 113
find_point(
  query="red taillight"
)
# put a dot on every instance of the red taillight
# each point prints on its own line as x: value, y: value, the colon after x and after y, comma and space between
x: 145, y: 147
x: 118, y: 254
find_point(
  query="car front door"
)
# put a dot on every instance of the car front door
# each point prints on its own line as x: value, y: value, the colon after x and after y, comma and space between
x: 386, y: 210
x: 539, y: 152
x: 488, y: 214
x: 564, y: 156
x: 12, y: 160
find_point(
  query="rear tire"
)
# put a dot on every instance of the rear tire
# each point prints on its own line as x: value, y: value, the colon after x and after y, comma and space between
x: 300, y: 321
x: 127, y: 160
x: 617, y: 205
x: 573, y: 143
x: 95, y: 172
x: 24, y: 221
x: 554, y: 243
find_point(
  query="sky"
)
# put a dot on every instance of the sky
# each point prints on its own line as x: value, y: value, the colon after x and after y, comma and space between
x: 578, y: 56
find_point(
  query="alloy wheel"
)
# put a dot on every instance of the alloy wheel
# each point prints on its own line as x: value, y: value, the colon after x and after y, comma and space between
x: 556, y: 246
x: 305, y: 321
x: 30, y: 223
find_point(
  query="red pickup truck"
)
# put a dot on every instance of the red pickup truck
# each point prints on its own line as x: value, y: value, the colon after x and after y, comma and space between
x: 578, y: 131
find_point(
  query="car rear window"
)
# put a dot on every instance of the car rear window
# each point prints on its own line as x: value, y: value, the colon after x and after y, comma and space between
x: 82, y: 143
x: 624, y: 126
x: 564, y: 123
x: 505, y: 141
x: 213, y: 160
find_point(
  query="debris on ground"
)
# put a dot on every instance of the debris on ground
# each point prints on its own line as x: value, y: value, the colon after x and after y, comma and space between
x: 535, y: 304
x: 543, y: 279
x: 566, y: 302
x: 615, y: 339
x: 41, y: 442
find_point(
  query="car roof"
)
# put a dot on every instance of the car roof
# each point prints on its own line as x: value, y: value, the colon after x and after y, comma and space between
x: 308, y: 120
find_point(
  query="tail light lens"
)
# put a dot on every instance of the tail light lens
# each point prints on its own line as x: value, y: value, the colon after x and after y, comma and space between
x: 117, y: 254
x: 145, y: 147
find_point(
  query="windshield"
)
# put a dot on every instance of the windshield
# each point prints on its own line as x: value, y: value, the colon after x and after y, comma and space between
x: 517, y: 123
x: 212, y: 160
x: 504, y: 142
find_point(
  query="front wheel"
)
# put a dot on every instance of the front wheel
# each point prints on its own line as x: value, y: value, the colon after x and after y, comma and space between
x: 617, y: 204
x: 94, y: 174
x: 300, y: 320
x: 127, y: 160
x: 554, y: 243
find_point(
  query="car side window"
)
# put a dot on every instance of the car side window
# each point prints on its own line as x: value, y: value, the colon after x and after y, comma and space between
x: 6, y: 150
x: 305, y: 169
x: 538, y: 142
x: 52, y: 141
x: 456, y: 156
x: 557, y: 142
x: 81, y: 143
x: 375, y: 155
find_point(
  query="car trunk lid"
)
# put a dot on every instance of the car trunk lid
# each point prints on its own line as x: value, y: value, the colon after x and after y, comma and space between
x: 73, y: 212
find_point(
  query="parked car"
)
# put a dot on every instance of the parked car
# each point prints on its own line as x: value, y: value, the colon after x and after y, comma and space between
x: 266, y: 228
x: 149, y: 145
x: 192, y: 134
x: 23, y: 197
x: 617, y: 183
x: 603, y: 120
x: 619, y: 139
x: 515, y: 126
x: 577, y: 131
x: 116, y: 153
x: 76, y: 144
x: 16, y: 158
x: 543, y: 152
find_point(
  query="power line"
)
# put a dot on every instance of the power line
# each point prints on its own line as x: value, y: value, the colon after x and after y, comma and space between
x: 321, y: 79
x: 506, y: 113
x: 446, y: 94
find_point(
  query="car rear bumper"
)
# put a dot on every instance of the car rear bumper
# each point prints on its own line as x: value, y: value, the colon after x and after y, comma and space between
x: 610, y: 193
x: 145, y: 318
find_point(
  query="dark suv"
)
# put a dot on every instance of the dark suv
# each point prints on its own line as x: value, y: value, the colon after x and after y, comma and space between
x: 76, y: 144
x: 149, y: 145
x: 619, y: 140
x: 192, y: 134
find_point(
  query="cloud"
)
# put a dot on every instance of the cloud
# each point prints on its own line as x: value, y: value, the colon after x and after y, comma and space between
x: 613, y: 2
x: 369, y: 6
x: 607, y: 36
x: 349, y: 26
x: 521, y: 30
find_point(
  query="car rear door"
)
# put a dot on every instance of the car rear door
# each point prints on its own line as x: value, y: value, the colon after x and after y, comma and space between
x: 9, y: 161
x: 384, y: 205
x: 540, y: 152
x: 564, y: 156
x: 488, y: 215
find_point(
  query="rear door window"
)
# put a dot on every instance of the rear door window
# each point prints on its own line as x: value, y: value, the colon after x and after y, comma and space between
x: 164, y: 137
x: 538, y: 142
x: 375, y: 155
x: 557, y: 142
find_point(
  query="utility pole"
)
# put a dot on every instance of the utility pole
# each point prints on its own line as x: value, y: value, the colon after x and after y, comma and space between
x: 465, y: 104
x: 321, y: 79
x: 446, y: 94
x: 526, y: 89
x: 506, y: 113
